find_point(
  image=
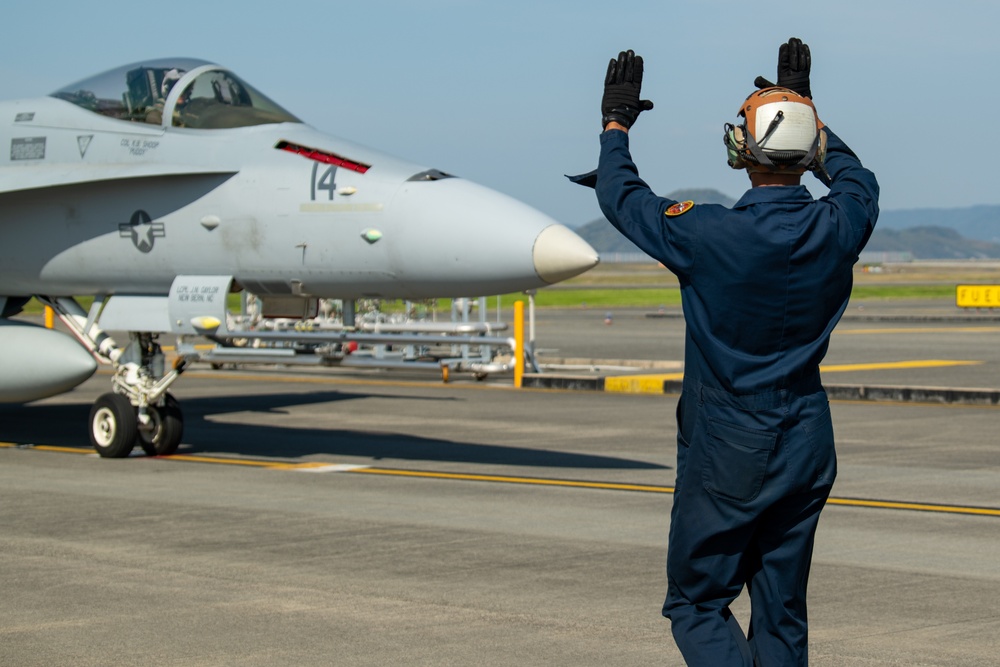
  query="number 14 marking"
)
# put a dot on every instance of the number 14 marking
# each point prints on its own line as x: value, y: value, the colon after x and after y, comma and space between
x: 324, y: 181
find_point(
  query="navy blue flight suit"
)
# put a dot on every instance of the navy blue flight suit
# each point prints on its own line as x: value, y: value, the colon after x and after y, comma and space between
x: 762, y: 285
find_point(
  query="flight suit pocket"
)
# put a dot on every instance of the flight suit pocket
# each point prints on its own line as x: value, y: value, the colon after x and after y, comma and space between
x: 736, y: 460
x: 819, y: 432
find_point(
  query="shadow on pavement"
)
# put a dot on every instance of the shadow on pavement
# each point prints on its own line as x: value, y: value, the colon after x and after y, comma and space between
x: 66, y: 425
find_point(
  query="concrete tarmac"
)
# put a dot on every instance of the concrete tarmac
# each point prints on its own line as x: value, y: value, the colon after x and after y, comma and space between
x: 372, y: 518
x: 906, y: 344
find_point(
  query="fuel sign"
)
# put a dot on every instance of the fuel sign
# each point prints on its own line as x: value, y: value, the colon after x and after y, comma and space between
x: 977, y: 296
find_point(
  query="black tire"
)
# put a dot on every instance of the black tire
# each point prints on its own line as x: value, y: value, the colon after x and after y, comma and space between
x: 113, y: 426
x: 168, y: 429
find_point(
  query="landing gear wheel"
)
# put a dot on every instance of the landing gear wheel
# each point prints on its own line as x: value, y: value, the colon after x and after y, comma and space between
x: 168, y: 428
x: 114, y: 426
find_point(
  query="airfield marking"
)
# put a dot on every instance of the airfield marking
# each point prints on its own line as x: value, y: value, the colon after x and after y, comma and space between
x: 895, y: 365
x: 45, y: 448
x: 865, y: 332
x: 652, y: 383
x: 919, y: 507
x: 509, y: 479
x: 647, y: 488
x: 315, y: 466
x: 639, y: 384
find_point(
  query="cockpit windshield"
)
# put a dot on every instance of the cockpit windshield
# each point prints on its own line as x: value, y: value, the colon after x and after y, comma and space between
x: 206, y: 96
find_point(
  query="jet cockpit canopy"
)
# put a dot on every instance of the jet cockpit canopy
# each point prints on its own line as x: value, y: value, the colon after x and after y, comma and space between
x: 178, y: 92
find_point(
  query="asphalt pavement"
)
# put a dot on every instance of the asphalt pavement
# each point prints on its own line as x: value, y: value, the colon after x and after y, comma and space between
x: 385, y: 517
x: 882, y: 350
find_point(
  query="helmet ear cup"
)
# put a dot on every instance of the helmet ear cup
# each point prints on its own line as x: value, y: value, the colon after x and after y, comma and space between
x: 736, y: 145
x: 820, y: 159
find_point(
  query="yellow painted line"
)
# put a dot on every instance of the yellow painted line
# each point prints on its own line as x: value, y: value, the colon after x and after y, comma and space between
x: 505, y: 479
x: 653, y: 383
x: 510, y: 479
x: 859, y: 332
x: 48, y: 448
x: 645, y: 488
x: 310, y: 466
x: 193, y: 458
x: 919, y: 507
x: 639, y: 384
x: 896, y: 365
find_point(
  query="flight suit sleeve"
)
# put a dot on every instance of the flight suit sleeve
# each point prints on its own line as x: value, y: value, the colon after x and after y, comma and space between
x: 637, y: 212
x: 853, y: 190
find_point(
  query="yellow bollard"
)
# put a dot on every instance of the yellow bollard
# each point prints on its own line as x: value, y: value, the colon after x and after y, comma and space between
x: 50, y: 317
x: 519, y: 342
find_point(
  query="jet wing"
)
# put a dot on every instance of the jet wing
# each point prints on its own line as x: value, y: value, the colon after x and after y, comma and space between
x: 22, y: 178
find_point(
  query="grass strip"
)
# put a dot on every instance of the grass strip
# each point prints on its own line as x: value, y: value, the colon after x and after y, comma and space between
x: 629, y: 297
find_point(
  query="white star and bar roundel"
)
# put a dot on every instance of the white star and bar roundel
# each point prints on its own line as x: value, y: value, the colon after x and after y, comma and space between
x: 142, y: 230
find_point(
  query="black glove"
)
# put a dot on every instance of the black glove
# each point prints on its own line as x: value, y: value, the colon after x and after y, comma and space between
x: 621, y: 103
x: 794, y: 63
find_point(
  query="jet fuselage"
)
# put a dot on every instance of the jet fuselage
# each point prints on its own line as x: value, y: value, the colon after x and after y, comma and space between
x: 93, y: 204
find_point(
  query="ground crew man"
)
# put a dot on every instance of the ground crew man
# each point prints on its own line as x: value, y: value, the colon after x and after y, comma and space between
x: 763, y: 284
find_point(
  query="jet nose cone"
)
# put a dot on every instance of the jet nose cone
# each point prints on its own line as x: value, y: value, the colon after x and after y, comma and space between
x: 560, y: 254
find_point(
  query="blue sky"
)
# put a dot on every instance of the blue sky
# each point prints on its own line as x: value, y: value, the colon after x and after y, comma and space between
x: 508, y: 93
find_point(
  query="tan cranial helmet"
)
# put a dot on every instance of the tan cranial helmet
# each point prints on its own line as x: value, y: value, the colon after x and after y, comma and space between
x: 780, y: 134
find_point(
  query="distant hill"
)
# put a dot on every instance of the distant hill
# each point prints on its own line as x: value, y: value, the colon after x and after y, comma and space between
x: 973, y: 222
x: 956, y: 233
x: 931, y: 243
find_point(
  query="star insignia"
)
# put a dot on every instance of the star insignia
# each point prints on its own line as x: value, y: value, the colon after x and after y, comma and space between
x: 142, y: 230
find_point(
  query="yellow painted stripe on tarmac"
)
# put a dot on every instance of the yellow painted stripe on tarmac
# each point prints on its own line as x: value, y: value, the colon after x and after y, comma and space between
x: 639, y: 384
x: 919, y: 507
x: 898, y: 330
x: 645, y: 488
x: 269, y: 465
x: 896, y: 365
x: 505, y: 479
x: 653, y: 383
x: 193, y: 458
x: 510, y: 479
x: 48, y: 448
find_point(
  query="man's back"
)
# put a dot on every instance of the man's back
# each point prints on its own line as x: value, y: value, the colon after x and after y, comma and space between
x: 764, y: 283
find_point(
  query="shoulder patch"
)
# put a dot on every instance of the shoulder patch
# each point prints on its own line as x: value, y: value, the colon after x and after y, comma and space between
x: 680, y: 208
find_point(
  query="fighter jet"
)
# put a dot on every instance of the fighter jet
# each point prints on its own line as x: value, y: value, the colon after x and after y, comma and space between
x: 160, y: 187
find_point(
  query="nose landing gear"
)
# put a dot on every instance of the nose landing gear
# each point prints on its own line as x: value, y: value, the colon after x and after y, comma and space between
x: 139, y: 411
x: 116, y: 426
